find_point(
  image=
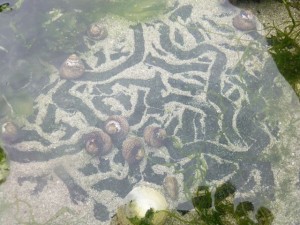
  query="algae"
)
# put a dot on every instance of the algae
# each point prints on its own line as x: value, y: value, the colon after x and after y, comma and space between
x: 285, y: 48
x: 4, y: 167
x: 5, y: 7
x: 220, y: 208
x: 217, y: 207
x: 44, y: 27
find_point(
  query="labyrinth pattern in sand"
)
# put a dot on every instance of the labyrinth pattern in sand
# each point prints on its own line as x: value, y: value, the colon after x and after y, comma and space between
x: 185, y: 73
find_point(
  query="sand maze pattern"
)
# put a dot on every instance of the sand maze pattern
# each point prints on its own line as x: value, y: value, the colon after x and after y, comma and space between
x: 178, y: 79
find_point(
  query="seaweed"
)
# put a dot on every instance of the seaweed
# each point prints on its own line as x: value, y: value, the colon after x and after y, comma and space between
x: 5, y: 7
x: 216, y: 207
x: 4, y: 167
x: 285, y: 48
x: 222, y: 210
x: 147, y: 220
x: 40, y: 27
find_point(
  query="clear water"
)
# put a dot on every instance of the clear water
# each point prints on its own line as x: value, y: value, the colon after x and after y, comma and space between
x: 182, y: 66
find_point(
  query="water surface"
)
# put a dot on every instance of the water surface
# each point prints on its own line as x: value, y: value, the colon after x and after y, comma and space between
x: 228, y: 113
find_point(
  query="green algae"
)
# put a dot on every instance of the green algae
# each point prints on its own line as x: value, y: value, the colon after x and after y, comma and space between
x: 224, y: 211
x: 5, y: 7
x: 4, y: 166
x: 218, y: 207
x: 285, y: 48
x: 147, y: 220
x: 60, y: 25
x: 137, y: 10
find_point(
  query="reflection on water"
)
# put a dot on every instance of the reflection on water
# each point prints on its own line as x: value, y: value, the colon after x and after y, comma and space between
x: 95, y: 105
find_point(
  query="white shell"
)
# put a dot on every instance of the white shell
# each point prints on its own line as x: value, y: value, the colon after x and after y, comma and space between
x: 143, y: 198
x: 72, y: 68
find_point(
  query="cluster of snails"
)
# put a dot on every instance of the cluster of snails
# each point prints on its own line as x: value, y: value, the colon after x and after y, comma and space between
x: 115, y: 130
x: 73, y: 67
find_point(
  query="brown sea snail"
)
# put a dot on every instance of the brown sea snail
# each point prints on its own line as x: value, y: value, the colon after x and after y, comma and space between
x: 98, y: 143
x: 245, y: 21
x: 72, y: 68
x: 133, y: 150
x: 117, y: 127
x: 97, y: 31
x: 9, y: 132
x: 171, y: 187
x: 155, y: 136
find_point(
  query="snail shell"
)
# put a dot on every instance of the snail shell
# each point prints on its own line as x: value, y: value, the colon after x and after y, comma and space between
x: 98, y: 143
x: 9, y: 132
x: 245, y: 21
x: 117, y: 127
x: 155, y: 136
x: 72, y: 68
x: 171, y: 187
x: 97, y: 31
x: 133, y: 150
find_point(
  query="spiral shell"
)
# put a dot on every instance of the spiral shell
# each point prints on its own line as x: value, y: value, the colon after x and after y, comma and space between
x: 97, y: 31
x: 9, y: 132
x: 171, y: 187
x: 133, y: 150
x: 117, y: 127
x: 245, y: 21
x: 98, y: 143
x: 72, y: 68
x: 155, y: 136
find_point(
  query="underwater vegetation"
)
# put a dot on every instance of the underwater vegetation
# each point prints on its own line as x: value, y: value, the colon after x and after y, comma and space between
x: 5, y: 7
x: 147, y: 220
x: 60, y: 25
x: 285, y: 46
x: 33, y: 32
x: 18, y: 205
x: 223, y: 210
x: 4, y: 167
x: 215, y: 208
x: 64, y: 27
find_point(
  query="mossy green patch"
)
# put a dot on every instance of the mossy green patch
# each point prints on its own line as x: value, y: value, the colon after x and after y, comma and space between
x: 285, y: 47
x: 147, y: 220
x: 60, y: 25
x: 5, y: 7
x: 4, y: 167
x: 219, y: 208
x: 224, y: 210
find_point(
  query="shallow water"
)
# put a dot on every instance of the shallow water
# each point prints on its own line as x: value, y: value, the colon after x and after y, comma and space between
x: 228, y: 113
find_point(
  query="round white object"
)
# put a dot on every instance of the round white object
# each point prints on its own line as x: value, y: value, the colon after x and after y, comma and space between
x: 141, y: 199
